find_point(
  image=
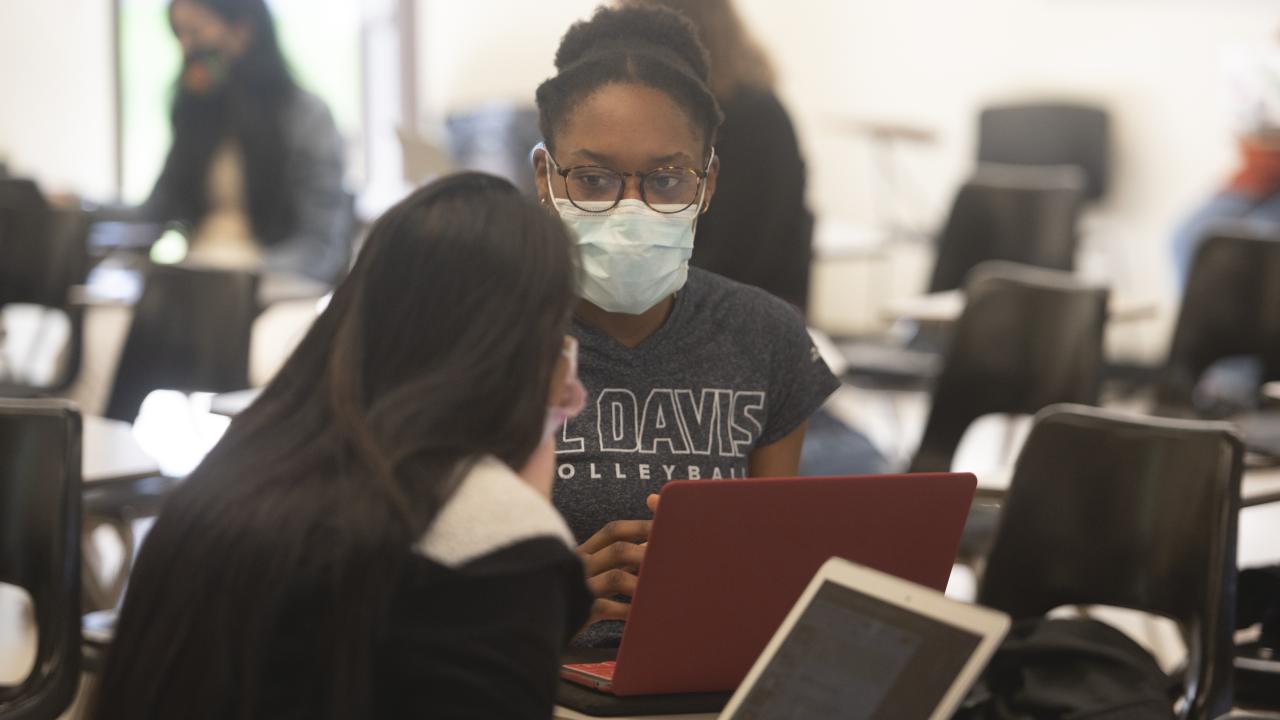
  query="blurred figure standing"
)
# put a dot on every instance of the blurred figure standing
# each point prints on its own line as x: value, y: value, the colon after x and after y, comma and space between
x: 759, y: 231
x: 256, y: 166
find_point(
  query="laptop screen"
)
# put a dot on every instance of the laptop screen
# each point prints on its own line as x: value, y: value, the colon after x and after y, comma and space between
x: 854, y: 656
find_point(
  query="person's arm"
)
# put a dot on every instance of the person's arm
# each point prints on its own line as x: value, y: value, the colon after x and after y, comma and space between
x: 159, y: 207
x: 320, y: 245
x: 779, y: 459
x: 800, y: 382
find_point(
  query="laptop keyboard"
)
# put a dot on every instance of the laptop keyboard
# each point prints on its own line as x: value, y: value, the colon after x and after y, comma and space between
x: 599, y: 669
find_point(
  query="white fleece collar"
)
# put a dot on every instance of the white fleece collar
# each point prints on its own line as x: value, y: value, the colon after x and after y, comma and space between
x: 492, y: 508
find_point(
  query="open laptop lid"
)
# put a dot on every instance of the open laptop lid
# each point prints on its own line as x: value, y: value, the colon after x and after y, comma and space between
x: 727, y: 559
x: 863, y: 645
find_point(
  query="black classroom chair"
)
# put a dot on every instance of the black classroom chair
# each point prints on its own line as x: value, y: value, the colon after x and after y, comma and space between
x: 1131, y: 512
x: 1231, y: 308
x: 40, y: 444
x: 1049, y: 133
x: 191, y: 331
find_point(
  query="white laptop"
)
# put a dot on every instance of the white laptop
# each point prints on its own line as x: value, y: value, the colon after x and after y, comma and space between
x: 863, y: 645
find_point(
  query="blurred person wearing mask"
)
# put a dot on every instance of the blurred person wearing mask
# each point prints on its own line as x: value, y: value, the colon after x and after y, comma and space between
x: 760, y: 232
x: 1252, y: 195
x: 256, y: 165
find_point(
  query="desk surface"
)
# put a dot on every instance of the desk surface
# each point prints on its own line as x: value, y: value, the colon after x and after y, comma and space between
x: 945, y: 307
x: 232, y: 404
x: 115, y: 283
x: 1258, y: 487
x: 561, y: 713
x: 1271, y: 391
x: 112, y: 453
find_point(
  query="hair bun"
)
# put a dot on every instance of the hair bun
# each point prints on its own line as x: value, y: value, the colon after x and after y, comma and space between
x: 633, y: 28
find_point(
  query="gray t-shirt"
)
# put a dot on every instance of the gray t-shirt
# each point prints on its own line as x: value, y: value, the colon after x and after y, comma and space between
x: 731, y: 370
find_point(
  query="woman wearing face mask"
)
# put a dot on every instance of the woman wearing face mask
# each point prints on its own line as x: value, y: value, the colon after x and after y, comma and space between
x: 256, y: 165
x: 688, y: 375
x: 351, y: 547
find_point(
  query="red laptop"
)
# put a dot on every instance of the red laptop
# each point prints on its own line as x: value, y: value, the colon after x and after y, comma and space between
x: 727, y: 560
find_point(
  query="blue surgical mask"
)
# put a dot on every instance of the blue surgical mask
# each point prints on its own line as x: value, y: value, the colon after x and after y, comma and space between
x: 632, y: 256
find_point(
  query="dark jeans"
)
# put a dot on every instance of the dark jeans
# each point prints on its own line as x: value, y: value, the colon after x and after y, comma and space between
x: 833, y: 448
x: 1225, y: 207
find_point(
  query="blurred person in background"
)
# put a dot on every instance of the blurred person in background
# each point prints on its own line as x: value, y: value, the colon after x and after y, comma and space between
x: 1252, y: 195
x: 256, y: 167
x: 374, y: 537
x: 1250, y: 199
x: 759, y: 231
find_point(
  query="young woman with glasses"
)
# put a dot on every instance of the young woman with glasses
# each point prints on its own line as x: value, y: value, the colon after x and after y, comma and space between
x: 689, y: 375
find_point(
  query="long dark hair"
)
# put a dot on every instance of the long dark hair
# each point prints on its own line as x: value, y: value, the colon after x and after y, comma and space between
x: 437, y: 349
x: 250, y: 108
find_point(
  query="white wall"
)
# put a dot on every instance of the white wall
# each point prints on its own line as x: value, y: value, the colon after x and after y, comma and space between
x: 1154, y: 63
x: 934, y: 63
x: 56, y: 112
x: 477, y: 51
x: 925, y: 62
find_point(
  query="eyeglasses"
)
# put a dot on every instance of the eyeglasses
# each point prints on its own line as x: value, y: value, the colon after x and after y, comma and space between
x: 596, y: 189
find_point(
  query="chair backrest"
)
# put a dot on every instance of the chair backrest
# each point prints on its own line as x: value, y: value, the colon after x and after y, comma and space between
x: 16, y: 192
x: 40, y: 546
x: 1131, y: 512
x: 1025, y: 215
x: 1231, y: 307
x: 1049, y: 134
x: 191, y: 331
x: 1027, y: 338
x: 43, y: 255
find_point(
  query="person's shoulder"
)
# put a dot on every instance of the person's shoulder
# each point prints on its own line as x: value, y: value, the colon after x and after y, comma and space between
x: 755, y: 98
x: 734, y: 302
x: 305, y: 102
x: 494, y: 519
x: 757, y: 107
x: 308, y: 114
